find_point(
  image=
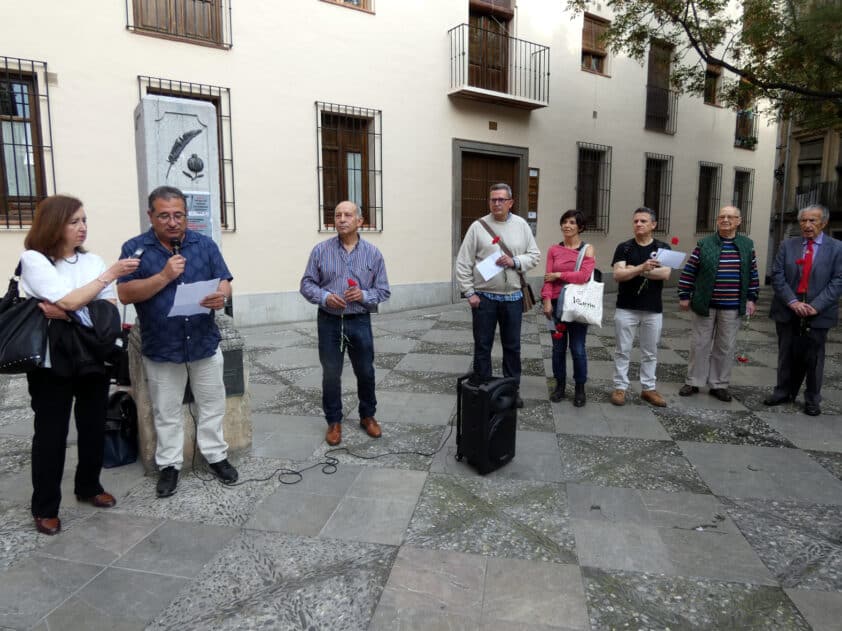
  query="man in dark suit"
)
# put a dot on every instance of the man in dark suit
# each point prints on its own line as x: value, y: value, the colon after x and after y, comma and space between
x: 807, y: 279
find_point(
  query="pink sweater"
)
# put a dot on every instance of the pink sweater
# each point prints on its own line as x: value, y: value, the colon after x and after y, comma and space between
x: 561, y: 259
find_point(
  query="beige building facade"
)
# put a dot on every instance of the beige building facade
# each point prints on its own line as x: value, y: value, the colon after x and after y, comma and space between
x: 410, y: 107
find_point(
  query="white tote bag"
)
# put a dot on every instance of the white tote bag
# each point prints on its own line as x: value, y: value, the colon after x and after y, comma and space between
x: 583, y: 303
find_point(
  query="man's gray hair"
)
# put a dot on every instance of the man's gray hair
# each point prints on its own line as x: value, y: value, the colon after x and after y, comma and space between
x: 825, y: 211
x: 501, y: 186
x: 647, y: 211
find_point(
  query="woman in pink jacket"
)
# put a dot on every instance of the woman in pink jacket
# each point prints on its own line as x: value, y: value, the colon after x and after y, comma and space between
x: 561, y: 266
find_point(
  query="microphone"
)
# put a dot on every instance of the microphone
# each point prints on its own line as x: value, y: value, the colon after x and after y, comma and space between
x: 175, y: 244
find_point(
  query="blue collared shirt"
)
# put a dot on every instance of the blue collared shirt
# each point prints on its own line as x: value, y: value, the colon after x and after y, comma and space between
x: 331, y: 265
x: 178, y: 339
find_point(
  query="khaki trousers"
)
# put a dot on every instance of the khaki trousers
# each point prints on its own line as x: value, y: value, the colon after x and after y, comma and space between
x: 712, y: 344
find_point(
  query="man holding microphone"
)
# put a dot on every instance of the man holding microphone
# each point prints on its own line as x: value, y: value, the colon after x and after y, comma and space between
x: 179, y: 348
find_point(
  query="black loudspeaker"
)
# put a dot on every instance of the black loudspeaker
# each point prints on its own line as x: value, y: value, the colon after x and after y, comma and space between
x: 486, y: 422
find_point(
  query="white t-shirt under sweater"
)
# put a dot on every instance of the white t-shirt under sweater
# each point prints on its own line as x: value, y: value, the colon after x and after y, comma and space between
x: 477, y: 245
x: 39, y: 278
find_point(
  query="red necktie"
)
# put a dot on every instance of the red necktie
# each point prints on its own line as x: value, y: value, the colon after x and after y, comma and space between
x: 805, y: 271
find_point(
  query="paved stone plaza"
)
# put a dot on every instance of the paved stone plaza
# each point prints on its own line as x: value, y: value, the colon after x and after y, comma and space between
x: 701, y: 515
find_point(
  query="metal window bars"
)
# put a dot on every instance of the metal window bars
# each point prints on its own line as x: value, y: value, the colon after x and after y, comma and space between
x: 349, y: 158
x: 206, y: 22
x: 657, y: 189
x: 707, y: 202
x: 27, y: 172
x: 220, y: 97
x: 745, y: 132
x: 743, y: 196
x: 661, y: 108
x: 593, y: 185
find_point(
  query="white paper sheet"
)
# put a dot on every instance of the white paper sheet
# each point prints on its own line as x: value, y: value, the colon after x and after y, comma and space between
x: 488, y: 267
x: 670, y: 258
x: 189, y: 295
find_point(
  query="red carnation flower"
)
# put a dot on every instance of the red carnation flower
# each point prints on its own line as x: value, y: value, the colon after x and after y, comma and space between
x: 557, y: 335
x: 561, y: 327
x: 495, y: 240
x: 352, y: 282
x: 674, y: 241
x: 743, y: 359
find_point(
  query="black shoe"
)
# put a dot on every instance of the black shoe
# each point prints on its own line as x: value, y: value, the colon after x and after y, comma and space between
x: 579, y: 397
x: 811, y: 409
x: 721, y: 393
x: 519, y: 403
x: 224, y: 471
x: 777, y: 400
x: 687, y: 390
x: 167, y: 481
x: 558, y: 394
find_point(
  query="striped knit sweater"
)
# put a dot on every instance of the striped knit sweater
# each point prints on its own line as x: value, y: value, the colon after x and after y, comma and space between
x: 726, y: 285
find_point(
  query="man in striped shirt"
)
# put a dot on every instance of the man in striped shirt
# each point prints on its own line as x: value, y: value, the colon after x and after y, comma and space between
x: 719, y: 284
x: 346, y: 278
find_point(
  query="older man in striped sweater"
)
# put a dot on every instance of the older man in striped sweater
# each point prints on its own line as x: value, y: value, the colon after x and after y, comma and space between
x: 719, y: 284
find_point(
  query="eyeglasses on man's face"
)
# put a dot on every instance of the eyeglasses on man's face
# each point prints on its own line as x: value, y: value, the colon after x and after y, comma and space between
x: 165, y: 217
x: 499, y: 200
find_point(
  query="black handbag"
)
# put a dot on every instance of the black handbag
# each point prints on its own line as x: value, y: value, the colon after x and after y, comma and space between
x: 23, y: 331
x: 120, y: 431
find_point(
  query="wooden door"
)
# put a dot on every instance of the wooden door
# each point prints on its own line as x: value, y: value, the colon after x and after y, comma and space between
x: 479, y: 172
x: 488, y: 53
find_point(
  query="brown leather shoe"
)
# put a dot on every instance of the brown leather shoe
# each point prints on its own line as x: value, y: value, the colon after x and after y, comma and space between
x: 48, y: 525
x: 371, y: 427
x: 618, y: 397
x: 102, y: 500
x: 652, y: 396
x: 334, y: 434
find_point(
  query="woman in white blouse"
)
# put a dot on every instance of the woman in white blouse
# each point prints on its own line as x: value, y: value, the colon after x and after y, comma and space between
x: 57, y: 269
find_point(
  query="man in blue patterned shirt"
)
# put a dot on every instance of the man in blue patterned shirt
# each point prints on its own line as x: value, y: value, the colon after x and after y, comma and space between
x: 346, y: 278
x: 179, y: 347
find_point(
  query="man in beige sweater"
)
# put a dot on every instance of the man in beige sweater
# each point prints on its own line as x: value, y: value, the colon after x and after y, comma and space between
x: 497, y: 300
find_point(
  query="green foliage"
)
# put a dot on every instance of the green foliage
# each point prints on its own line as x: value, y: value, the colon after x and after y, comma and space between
x: 787, y: 53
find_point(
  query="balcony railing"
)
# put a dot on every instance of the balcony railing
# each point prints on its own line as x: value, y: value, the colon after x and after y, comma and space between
x: 825, y: 193
x: 745, y: 134
x: 495, y: 67
x: 661, y: 105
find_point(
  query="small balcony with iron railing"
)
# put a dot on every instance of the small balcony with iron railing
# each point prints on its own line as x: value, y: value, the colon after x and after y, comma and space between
x: 494, y: 67
x: 745, y: 133
x: 661, y: 106
x: 827, y: 194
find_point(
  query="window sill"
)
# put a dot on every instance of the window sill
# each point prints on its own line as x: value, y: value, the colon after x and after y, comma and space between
x: 350, y: 6
x: 594, y: 72
x: 178, y: 38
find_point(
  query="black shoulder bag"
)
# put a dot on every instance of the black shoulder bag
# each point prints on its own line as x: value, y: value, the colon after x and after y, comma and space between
x: 23, y: 331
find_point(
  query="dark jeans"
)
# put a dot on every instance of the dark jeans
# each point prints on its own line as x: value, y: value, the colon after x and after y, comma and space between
x: 800, y: 358
x: 52, y: 397
x: 574, y: 337
x: 360, y: 345
x: 485, y: 319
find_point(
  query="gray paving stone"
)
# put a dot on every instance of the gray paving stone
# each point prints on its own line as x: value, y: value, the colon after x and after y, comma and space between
x: 823, y: 610
x: 451, y: 364
x: 821, y: 433
x: 765, y: 472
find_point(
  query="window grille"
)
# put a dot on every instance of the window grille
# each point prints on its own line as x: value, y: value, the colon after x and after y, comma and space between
x: 205, y: 22
x: 220, y: 98
x: 27, y: 173
x: 743, y: 195
x: 349, y: 157
x: 365, y: 5
x: 657, y: 188
x: 593, y: 185
x: 707, y: 203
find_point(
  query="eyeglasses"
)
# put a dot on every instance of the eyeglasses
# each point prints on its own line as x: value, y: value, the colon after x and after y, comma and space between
x: 728, y: 217
x: 165, y: 217
x: 499, y: 200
